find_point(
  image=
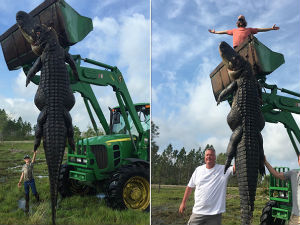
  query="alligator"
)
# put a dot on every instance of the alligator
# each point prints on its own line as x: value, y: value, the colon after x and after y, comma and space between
x: 54, y: 97
x: 246, y: 122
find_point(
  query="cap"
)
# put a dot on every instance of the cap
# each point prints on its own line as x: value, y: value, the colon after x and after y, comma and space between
x: 241, y: 17
x: 26, y: 157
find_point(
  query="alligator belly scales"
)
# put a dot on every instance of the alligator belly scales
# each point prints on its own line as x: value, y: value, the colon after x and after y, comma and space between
x: 54, y: 97
x: 246, y: 122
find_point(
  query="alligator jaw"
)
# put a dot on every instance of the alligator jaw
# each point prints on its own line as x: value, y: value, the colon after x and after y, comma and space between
x: 231, y: 59
x: 26, y: 24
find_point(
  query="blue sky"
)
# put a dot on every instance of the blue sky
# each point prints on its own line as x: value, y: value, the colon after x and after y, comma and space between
x: 184, y: 53
x: 121, y: 37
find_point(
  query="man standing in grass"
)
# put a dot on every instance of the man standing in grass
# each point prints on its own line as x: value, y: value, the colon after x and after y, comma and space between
x: 27, y: 174
x: 294, y: 177
x: 210, y: 194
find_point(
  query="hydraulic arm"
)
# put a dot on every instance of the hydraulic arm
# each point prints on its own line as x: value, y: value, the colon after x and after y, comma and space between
x: 109, y: 76
x: 277, y: 108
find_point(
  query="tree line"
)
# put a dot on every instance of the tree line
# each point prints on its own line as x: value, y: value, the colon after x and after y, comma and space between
x: 15, y: 130
x: 175, y: 167
x: 11, y: 129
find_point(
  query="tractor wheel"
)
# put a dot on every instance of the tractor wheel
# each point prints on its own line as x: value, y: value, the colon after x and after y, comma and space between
x: 266, y: 217
x: 67, y: 187
x: 129, y: 188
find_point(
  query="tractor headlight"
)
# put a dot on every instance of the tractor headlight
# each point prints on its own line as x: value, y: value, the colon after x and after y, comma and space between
x: 79, y: 160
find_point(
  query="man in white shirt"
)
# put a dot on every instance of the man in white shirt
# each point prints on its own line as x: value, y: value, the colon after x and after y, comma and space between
x: 210, y: 194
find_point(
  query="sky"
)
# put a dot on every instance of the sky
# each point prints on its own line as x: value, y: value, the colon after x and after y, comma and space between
x: 120, y: 37
x: 184, y: 53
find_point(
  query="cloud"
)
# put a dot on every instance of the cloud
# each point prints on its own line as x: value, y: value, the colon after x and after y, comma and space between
x: 103, y: 42
x: 21, y: 90
x: 195, y: 119
x: 135, y: 55
x: 175, y: 8
x: 205, y: 15
x: 123, y: 41
x: 165, y: 42
x: 17, y: 107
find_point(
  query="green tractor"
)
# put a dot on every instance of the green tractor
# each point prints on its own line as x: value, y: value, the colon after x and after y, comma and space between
x: 276, y: 109
x: 116, y: 163
x: 110, y: 164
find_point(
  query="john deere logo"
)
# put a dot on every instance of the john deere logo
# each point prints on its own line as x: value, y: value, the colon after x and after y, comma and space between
x: 112, y: 77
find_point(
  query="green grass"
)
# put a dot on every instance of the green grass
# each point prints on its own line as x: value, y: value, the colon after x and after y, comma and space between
x: 165, y: 205
x: 73, y: 210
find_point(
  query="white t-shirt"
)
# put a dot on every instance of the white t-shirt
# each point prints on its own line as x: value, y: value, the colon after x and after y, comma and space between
x: 210, y: 193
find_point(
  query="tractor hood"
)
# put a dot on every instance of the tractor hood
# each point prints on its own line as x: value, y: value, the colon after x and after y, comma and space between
x: 106, y: 139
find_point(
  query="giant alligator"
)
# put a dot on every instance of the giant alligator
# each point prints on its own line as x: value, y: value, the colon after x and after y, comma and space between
x: 54, y: 97
x: 246, y: 122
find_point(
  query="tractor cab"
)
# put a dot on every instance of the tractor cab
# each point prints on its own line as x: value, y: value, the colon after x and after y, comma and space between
x: 117, y: 122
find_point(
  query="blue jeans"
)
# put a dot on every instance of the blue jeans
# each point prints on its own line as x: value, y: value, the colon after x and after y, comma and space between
x: 30, y: 183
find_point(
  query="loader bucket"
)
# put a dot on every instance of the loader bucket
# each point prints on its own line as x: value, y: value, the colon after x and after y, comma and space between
x: 262, y: 59
x: 69, y: 25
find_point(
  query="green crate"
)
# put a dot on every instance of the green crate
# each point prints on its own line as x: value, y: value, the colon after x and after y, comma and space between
x: 281, y: 192
x: 280, y: 213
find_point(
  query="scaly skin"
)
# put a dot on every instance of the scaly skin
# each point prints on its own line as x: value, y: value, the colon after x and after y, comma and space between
x: 54, y: 97
x: 246, y: 121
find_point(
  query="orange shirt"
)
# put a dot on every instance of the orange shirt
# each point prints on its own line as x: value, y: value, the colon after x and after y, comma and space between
x: 240, y: 34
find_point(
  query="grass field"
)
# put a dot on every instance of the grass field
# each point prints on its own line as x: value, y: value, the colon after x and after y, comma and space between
x: 165, y: 206
x: 73, y: 210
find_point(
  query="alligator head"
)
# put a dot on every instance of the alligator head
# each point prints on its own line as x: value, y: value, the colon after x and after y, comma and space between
x: 38, y: 35
x: 232, y: 60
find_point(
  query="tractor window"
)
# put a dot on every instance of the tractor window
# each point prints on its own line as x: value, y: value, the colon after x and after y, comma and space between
x: 119, y: 126
x: 145, y: 120
x: 119, y: 123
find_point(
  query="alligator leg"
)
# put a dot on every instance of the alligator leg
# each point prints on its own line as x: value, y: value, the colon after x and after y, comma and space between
x: 33, y: 70
x: 232, y: 146
x: 229, y: 89
x: 261, y: 156
x: 39, y: 128
x: 70, y: 61
x: 70, y: 130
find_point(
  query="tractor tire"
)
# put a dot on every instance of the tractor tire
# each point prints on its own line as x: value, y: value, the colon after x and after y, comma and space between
x: 266, y: 217
x: 129, y: 188
x: 68, y: 187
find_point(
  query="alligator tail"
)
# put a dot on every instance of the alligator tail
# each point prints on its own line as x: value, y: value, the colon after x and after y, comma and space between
x: 54, y: 144
x: 248, y: 152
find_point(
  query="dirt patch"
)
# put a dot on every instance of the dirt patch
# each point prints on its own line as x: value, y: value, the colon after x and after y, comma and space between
x: 167, y: 215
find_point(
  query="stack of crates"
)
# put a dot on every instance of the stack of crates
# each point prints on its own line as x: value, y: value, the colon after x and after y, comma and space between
x: 281, y: 192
